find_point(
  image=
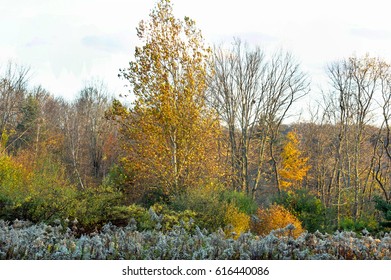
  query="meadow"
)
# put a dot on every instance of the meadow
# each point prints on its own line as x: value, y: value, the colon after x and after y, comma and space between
x: 26, y: 241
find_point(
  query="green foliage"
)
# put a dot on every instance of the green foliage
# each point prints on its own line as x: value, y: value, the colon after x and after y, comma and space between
x: 153, y: 195
x: 385, y: 208
x: 14, y: 192
x: 94, y: 206
x: 51, y: 196
x: 44, y: 194
x: 3, y: 141
x: 306, y: 207
x: 119, y: 177
x: 122, y: 215
x: 157, y: 217
x: 349, y: 224
x: 216, y: 208
x: 206, y: 202
x: 169, y: 218
x: 243, y: 202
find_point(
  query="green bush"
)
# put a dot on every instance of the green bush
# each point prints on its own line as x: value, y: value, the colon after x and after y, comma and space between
x: 122, y: 215
x: 51, y: 195
x: 306, y: 207
x: 349, y: 224
x: 243, y: 202
x: 385, y: 208
x: 206, y: 202
x: 121, y: 178
x: 94, y: 206
x: 14, y: 189
x: 215, y: 208
x: 157, y: 216
x: 41, y: 192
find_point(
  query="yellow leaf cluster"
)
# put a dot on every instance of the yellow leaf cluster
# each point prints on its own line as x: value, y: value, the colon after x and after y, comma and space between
x: 294, y: 166
x: 276, y: 217
x: 239, y: 221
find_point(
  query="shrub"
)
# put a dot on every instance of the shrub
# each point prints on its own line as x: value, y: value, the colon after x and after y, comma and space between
x: 157, y: 217
x: 237, y: 221
x: 385, y: 208
x: 122, y: 215
x: 349, y: 224
x: 14, y: 189
x: 273, y: 218
x: 41, y: 192
x: 306, y: 207
x: 243, y: 202
x: 215, y: 208
x: 206, y: 203
x: 94, y: 206
x: 51, y: 195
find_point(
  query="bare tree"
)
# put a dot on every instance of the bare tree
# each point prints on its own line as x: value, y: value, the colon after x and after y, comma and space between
x: 382, y: 167
x: 252, y: 96
x: 13, y: 87
x: 87, y: 131
x: 236, y: 94
x: 283, y: 84
x: 355, y: 82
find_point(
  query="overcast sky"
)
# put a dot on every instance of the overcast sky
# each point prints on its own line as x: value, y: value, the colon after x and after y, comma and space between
x: 67, y: 42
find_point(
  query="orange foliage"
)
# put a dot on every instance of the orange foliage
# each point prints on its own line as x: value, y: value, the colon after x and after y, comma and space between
x: 276, y: 217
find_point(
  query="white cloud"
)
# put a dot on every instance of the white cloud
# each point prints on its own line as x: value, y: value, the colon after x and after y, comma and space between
x: 106, y: 43
x: 65, y: 41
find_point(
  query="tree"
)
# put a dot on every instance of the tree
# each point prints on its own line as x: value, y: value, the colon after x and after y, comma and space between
x: 253, y: 95
x: 13, y: 88
x: 356, y: 83
x: 284, y: 85
x: 235, y: 92
x: 87, y: 132
x: 172, y: 134
x: 382, y: 166
x: 294, y: 166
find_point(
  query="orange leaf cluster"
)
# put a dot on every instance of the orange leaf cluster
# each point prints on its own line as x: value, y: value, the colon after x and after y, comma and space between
x: 276, y: 217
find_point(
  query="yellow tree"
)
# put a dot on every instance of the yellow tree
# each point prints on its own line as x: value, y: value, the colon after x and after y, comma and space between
x: 172, y: 133
x: 294, y: 166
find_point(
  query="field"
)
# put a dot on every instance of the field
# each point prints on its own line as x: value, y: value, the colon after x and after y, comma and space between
x: 24, y: 240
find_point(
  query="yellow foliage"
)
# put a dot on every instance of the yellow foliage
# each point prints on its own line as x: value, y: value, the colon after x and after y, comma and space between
x: 171, y: 135
x: 13, y: 177
x: 276, y: 217
x: 239, y: 221
x: 294, y: 166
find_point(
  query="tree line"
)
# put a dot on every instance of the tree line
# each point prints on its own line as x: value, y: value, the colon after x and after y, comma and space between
x: 207, y: 131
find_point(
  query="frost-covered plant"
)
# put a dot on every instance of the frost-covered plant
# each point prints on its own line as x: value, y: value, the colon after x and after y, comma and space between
x: 24, y: 240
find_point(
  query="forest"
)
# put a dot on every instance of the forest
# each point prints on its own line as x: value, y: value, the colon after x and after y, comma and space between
x: 199, y: 160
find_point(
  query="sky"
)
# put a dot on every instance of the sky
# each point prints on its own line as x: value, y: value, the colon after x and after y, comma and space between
x: 69, y: 42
